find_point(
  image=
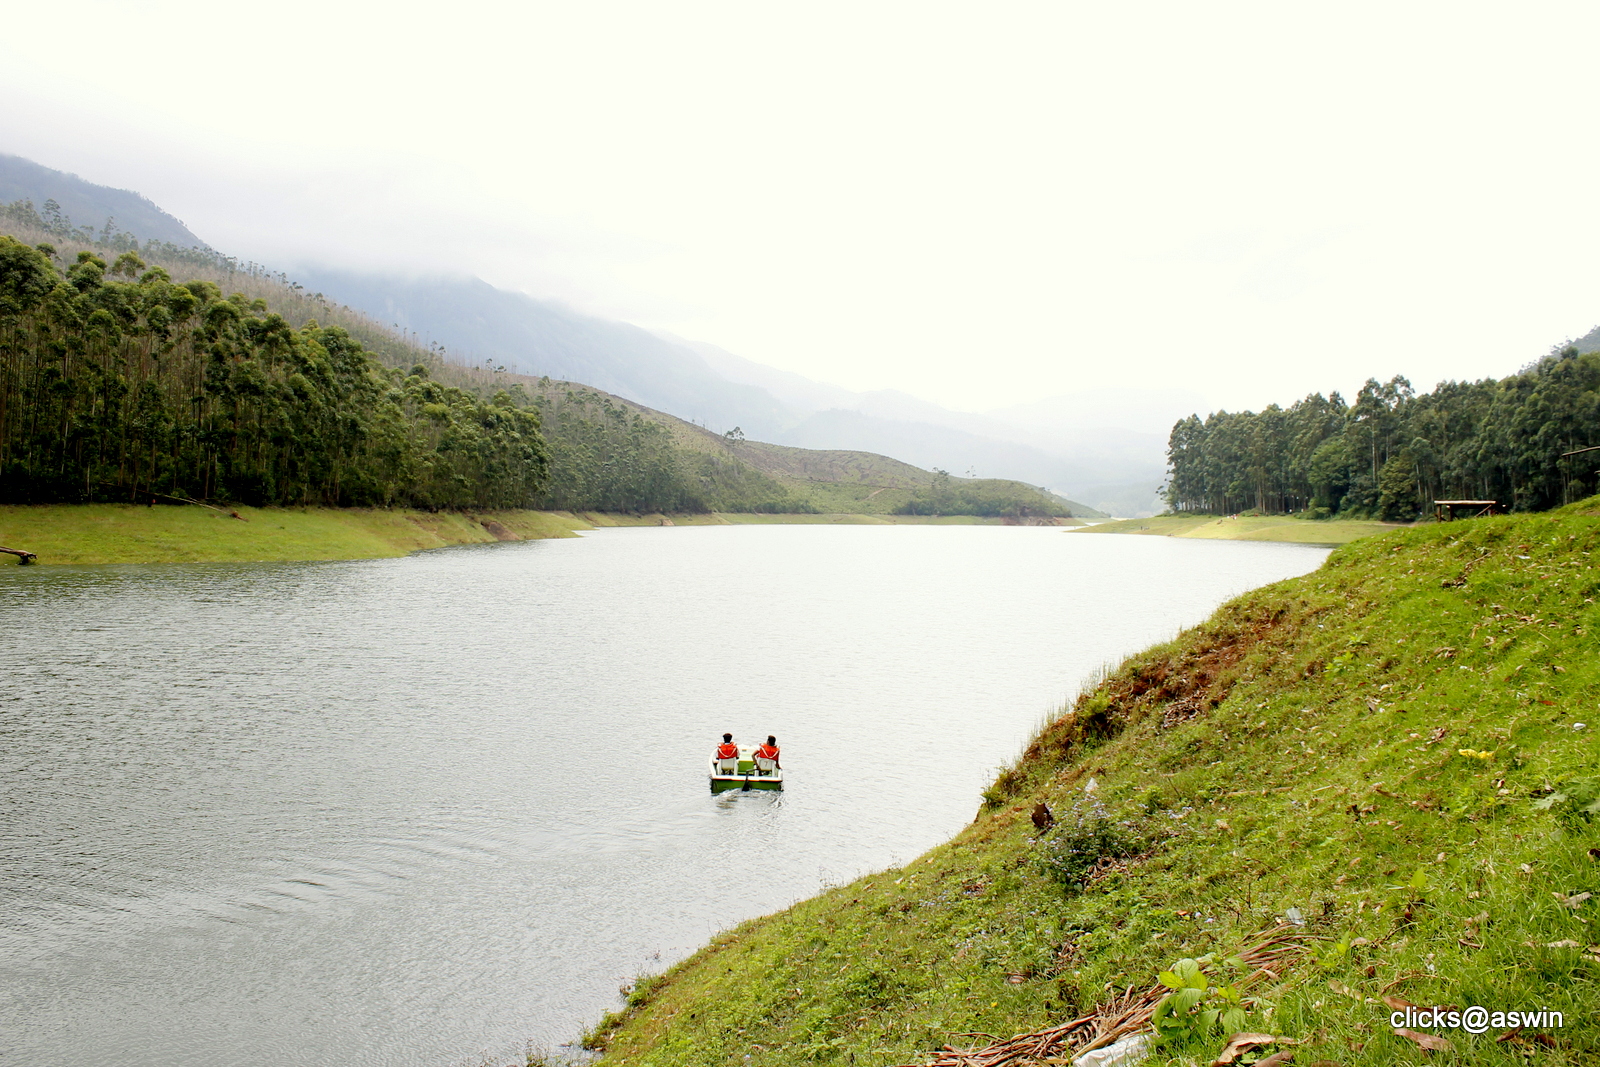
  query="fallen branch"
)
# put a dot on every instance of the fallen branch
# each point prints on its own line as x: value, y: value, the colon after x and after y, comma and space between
x: 199, y: 503
x: 1273, y: 952
x: 24, y: 558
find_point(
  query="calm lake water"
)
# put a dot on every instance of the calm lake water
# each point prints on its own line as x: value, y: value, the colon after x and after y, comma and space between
x: 415, y: 812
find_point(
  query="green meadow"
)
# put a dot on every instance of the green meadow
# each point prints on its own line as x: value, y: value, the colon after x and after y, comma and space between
x: 124, y: 533
x: 1248, y: 528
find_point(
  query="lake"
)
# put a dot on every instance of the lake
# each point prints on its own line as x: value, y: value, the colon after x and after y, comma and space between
x: 423, y: 812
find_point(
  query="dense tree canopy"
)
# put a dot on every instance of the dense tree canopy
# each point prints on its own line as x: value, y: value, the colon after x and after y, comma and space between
x: 117, y: 384
x: 1392, y: 452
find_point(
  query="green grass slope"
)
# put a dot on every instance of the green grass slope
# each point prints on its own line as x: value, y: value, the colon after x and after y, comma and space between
x: 1248, y: 528
x: 1379, y: 767
x: 124, y: 533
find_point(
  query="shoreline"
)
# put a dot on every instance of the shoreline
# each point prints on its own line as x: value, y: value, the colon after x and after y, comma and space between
x: 1283, y: 528
x: 100, y: 534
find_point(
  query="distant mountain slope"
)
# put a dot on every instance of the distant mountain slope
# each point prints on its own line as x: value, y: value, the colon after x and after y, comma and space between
x: 1104, y: 446
x: 479, y: 322
x: 834, y: 479
x: 88, y: 204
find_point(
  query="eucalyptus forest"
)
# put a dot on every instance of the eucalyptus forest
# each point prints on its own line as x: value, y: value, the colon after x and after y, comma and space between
x: 1393, y: 452
x: 118, y: 384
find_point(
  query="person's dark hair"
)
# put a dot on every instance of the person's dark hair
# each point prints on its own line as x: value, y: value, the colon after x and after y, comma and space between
x: 727, y: 737
x: 771, y: 740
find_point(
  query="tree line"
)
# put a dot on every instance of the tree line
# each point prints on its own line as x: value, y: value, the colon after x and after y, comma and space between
x: 1393, y: 452
x: 118, y: 384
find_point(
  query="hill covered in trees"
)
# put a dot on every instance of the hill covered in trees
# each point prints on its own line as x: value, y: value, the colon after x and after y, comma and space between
x: 487, y: 327
x: 1392, y: 452
x: 117, y: 383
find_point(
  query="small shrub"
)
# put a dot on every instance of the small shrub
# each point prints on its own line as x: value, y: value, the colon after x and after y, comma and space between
x: 1085, y: 836
x: 1196, y: 1008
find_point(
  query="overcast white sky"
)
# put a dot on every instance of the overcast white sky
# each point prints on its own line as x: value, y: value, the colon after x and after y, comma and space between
x: 980, y: 204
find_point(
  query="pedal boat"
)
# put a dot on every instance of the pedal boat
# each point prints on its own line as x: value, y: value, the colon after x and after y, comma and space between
x: 746, y: 775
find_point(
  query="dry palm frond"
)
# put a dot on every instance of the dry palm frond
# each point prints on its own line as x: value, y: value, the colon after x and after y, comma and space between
x: 1268, y: 956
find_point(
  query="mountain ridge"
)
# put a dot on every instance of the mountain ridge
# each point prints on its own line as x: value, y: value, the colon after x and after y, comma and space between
x: 475, y: 322
x: 130, y: 212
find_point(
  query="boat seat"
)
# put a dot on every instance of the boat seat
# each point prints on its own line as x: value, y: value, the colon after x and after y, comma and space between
x: 727, y: 766
x: 765, y: 766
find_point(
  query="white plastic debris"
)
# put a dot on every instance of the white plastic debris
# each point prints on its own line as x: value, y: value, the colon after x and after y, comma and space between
x: 1092, y: 786
x: 1294, y: 916
x: 1130, y: 1050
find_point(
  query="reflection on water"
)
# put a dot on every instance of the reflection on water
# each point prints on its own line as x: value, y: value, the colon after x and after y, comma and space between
x: 415, y: 810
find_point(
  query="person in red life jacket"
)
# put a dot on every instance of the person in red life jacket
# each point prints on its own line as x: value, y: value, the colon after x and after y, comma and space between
x: 766, y: 756
x: 727, y: 755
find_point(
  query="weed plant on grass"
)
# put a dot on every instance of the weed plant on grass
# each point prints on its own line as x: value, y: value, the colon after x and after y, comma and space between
x: 1394, y: 756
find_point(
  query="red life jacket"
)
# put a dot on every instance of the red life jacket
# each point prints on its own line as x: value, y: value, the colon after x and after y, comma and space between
x: 728, y: 751
x: 767, y: 752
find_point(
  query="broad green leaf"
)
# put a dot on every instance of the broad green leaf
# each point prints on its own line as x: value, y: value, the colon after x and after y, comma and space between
x: 1170, y: 980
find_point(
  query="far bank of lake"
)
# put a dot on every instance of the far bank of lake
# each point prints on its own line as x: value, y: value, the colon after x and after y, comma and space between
x: 1249, y: 528
x: 191, y: 533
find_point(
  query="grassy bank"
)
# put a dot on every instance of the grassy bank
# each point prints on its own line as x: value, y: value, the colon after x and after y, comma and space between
x: 121, y: 533
x: 895, y: 520
x: 1248, y: 528
x: 1379, y: 767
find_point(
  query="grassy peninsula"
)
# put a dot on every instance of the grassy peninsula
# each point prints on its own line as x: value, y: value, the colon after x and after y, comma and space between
x: 1378, y: 781
x: 1248, y: 528
x: 123, y: 533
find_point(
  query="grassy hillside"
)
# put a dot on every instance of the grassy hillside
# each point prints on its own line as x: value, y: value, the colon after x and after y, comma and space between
x: 1377, y: 782
x: 122, y: 533
x: 1248, y: 528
